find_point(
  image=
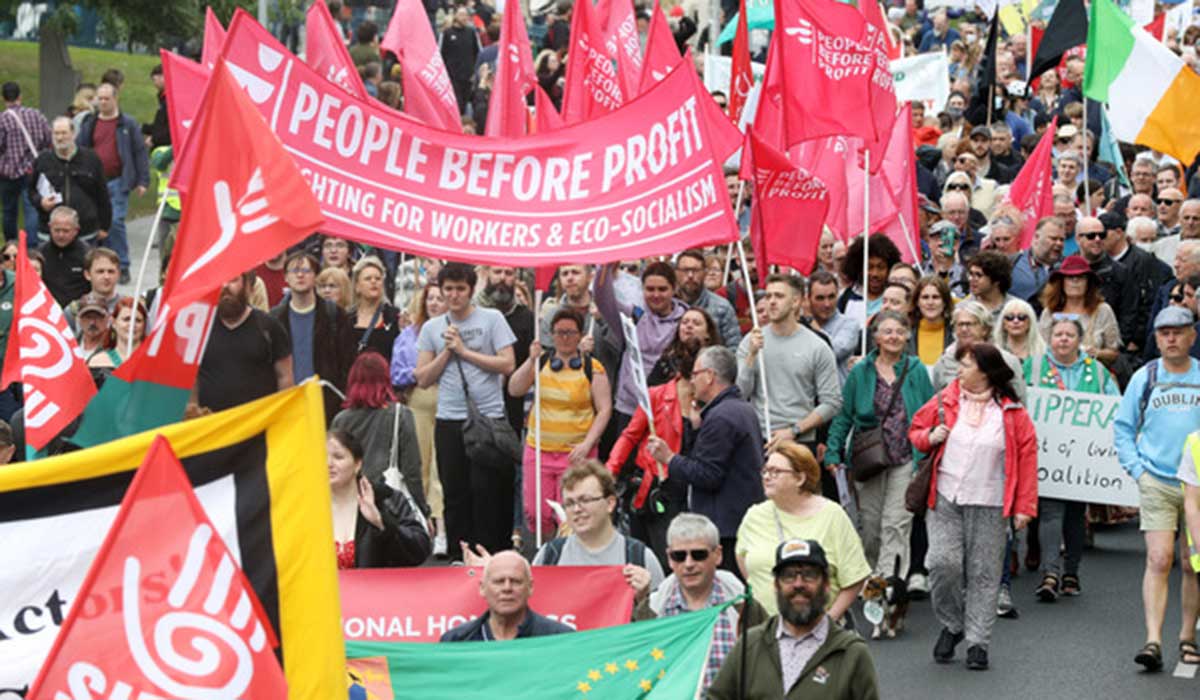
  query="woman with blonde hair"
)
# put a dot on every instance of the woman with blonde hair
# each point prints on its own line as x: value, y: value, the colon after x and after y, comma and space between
x: 376, y: 321
x: 334, y: 284
x: 1015, y: 333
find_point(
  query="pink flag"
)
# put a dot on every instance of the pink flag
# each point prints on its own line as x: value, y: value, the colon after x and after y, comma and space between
x: 428, y: 94
x: 621, y: 41
x: 185, y: 83
x: 508, y: 115
x: 788, y: 207
x: 882, y: 88
x: 214, y: 36
x: 741, y: 77
x: 548, y: 118
x: 662, y: 53
x: 592, y: 87
x: 831, y: 63
x: 1033, y: 189
x: 893, y: 192
x: 874, y: 15
x: 326, y: 54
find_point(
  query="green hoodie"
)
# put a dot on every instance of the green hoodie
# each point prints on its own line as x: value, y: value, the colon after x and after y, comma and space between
x: 858, y: 401
x: 841, y: 669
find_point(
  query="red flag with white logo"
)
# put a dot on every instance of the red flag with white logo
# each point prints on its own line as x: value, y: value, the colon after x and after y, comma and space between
x: 325, y: 52
x: 788, y: 209
x: 741, y: 77
x: 662, y: 53
x: 246, y: 199
x: 592, y: 88
x: 214, y: 37
x: 830, y: 59
x: 622, y: 43
x: 508, y: 115
x: 206, y: 636
x: 428, y: 94
x: 41, y: 355
x: 1032, y: 191
x: 184, y: 81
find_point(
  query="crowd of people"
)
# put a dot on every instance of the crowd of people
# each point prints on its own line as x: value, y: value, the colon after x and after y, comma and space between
x: 787, y: 423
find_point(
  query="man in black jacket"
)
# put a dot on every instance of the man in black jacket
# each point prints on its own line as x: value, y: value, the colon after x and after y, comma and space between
x: 71, y: 176
x: 322, y: 335
x: 460, y: 48
x: 64, y: 257
x: 1146, y: 272
x: 506, y: 586
x: 1116, y: 284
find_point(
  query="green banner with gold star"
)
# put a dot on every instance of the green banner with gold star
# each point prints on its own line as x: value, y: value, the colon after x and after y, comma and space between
x: 656, y: 660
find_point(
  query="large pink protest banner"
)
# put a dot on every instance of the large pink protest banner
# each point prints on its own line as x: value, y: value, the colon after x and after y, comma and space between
x: 643, y: 180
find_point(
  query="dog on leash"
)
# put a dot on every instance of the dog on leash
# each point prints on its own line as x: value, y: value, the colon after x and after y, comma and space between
x: 885, y: 603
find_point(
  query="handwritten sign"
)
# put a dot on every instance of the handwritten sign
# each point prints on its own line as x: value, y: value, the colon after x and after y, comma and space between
x: 1077, y: 460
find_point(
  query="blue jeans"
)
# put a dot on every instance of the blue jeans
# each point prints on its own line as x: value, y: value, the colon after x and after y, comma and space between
x: 117, y: 239
x: 14, y: 195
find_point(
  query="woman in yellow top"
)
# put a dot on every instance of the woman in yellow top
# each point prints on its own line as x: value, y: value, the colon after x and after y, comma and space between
x: 576, y: 405
x: 932, y: 328
x: 795, y: 509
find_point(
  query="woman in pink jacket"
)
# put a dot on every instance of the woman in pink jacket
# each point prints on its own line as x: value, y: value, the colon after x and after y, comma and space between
x: 985, y: 475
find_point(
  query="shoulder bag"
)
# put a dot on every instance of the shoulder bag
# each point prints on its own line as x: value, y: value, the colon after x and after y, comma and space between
x: 487, y: 441
x: 868, y: 453
x: 916, y: 496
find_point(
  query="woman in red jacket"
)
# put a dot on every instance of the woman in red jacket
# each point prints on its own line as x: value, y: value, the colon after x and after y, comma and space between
x: 986, y: 473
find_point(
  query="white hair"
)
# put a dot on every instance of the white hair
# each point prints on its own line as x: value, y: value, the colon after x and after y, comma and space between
x: 693, y: 526
x: 1137, y: 223
x: 1035, y: 346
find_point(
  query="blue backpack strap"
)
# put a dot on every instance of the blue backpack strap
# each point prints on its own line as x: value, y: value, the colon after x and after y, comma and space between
x: 635, y: 552
x: 554, y: 550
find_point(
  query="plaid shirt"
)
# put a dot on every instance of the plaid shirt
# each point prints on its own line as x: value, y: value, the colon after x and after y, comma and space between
x: 15, y: 158
x: 724, y: 634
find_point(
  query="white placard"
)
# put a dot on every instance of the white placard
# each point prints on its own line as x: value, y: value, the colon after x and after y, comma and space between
x: 924, y: 78
x: 637, y: 369
x: 1077, y: 459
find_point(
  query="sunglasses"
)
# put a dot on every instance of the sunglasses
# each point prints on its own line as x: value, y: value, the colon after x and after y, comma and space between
x: 632, y: 269
x: 9, y: 256
x: 680, y: 555
x: 963, y: 188
x: 1177, y: 298
x: 1093, y: 235
x: 1015, y: 317
x: 1167, y: 200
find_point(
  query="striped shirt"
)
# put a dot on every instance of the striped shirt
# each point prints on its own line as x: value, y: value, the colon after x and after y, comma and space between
x: 567, y: 410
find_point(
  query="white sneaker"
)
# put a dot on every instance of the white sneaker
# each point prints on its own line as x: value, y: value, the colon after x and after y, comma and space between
x: 439, y: 545
x: 918, y: 586
x: 1004, y: 604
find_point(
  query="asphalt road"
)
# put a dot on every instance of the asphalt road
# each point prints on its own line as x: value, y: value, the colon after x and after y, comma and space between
x: 1074, y: 648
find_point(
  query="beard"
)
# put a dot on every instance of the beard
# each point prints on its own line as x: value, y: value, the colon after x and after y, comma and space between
x: 802, y: 615
x: 230, y: 307
x: 502, y: 295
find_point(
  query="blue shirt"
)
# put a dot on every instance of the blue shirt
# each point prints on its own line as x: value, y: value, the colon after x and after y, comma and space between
x: 301, y: 325
x: 1153, y: 441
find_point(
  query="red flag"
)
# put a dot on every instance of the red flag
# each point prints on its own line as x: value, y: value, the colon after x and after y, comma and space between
x: 42, y: 356
x: 662, y: 53
x: 893, y: 192
x: 788, y: 207
x: 214, y: 36
x: 326, y: 54
x: 592, y: 88
x: 874, y: 15
x: 245, y: 202
x: 204, y: 637
x: 726, y: 138
x: 829, y: 52
x: 1158, y: 27
x: 1032, y: 191
x: 185, y: 81
x: 621, y: 41
x: 548, y: 118
x: 741, y: 78
x: 428, y: 94
x: 883, y: 91
x: 508, y: 114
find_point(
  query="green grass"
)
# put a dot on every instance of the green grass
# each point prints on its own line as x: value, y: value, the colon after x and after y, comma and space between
x: 19, y: 62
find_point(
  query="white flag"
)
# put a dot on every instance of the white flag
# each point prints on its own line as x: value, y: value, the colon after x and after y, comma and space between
x: 718, y: 68
x: 924, y: 78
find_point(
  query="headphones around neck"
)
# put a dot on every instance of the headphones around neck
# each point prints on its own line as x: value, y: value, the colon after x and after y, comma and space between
x: 556, y: 363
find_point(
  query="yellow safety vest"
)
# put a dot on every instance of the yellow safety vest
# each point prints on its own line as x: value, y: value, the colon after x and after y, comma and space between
x: 164, y: 192
x: 1193, y: 445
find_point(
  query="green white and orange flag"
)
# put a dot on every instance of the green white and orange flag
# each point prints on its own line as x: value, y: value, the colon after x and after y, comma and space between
x: 1151, y: 93
x: 654, y: 660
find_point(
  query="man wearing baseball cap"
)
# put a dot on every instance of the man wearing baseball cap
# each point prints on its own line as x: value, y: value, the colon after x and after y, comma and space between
x: 799, y: 653
x: 1160, y: 408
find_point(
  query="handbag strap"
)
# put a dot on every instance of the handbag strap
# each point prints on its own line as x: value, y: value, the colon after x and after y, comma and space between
x: 394, y: 454
x: 461, y: 373
x: 366, y: 336
x: 897, y: 388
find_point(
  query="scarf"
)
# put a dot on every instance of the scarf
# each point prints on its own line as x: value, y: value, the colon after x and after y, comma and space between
x: 973, y: 405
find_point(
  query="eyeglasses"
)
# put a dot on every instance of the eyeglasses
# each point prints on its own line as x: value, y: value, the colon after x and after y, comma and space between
x: 775, y: 472
x: 1015, y: 317
x: 966, y: 324
x: 685, y: 271
x: 960, y: 187
x: 299, y: 270
x: 810, y: 574
x: 566, y: 333
x: 1092, y: 236
x: 631, y: 268
x: 1066, y: 139
x: 1177, y: 297
x: 581, y: 502
x: 9, y: 256
x: 1167, y: 201
x: 680, y: 555
x: 697, y: 372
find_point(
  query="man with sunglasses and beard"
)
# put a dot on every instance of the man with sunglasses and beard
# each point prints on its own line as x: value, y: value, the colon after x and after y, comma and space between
x: 248, y: 355
x: 694, y: 554
x: 800, y: 653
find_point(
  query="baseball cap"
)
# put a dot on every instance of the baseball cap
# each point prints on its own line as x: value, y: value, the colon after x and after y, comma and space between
x: 1170, y: 317
x: 1066, y: 131
x: 942, y: 226
x: 797, y: 551
x: 981, y: 131
x: 92, y: 302
x: 1113, y: 220
x: 927, y: 205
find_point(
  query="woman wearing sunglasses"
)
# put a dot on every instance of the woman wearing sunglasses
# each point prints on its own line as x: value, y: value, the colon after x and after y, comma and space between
x: 1016, y: 333
x: 795, y: 509
x: 1073, y: 290
x: 576, y: 403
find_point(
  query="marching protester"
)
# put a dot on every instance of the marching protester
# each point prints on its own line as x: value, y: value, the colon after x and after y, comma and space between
x: 1016, y: 334
x: 843, y: 332
x: 64, y: 257
x: 506, y: 585
x: 1160, y: 407
x: 70, y: 175
x: 24, y: 133
x: 985, y: 480
x: 690, y: 273
x: 101, y: 269
x: 933, y: 328
x: 500, y: 292
x: 376, y: 320
x: 973, y: 324
x: 1073, y: 290
x: 129, y: 328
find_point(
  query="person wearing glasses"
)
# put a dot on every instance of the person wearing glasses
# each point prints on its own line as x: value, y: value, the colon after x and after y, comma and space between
x: 690, y: 272
x: 944, y: 240
x: 694, y: 554
x: 800, y: 652
x: 973, y: 324
x: 1117, y: 286
x: 957, y: 209
x: 1168, y: 207
x: 1073, y: 291
x: 983, y: 189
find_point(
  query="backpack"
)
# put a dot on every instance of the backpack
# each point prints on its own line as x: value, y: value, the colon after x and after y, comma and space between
x: 585, y: 358
x: 635, y: 552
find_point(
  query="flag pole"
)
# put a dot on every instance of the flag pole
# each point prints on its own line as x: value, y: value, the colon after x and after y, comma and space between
x: 866, y: 240
x: 762, y: 362
x: 137, y: 283
x: 908, y: 240
x: 737, y: 213
x: 537, y: 432
x: 1087, y: 153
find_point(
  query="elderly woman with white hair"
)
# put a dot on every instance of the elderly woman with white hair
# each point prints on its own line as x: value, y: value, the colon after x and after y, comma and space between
x: 973, y: 324
x: 1016, y: 332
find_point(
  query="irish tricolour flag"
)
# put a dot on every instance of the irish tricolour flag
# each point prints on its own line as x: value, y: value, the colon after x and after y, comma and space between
x: 1151, y: 94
